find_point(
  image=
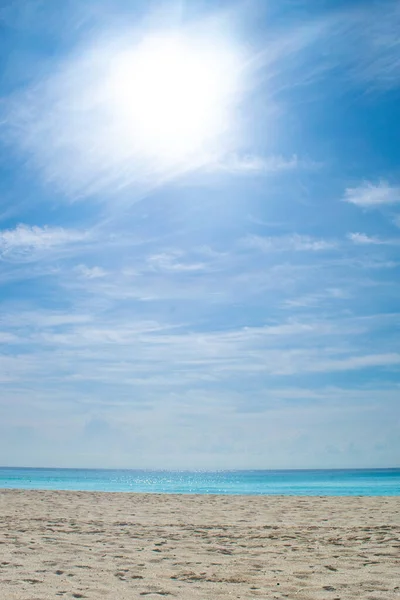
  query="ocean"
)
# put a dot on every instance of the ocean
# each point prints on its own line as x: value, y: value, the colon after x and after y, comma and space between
x: 336, y: 482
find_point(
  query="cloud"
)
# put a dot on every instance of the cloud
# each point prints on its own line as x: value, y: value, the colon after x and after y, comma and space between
x: 27, y: 241
x: 107, y: 348
x: 38, y: 237
x: 142, y: 367
x: 375, y: 45
x: 355, y: 362
x: 90, y: 272
x: 359, y: 45
x: 172, y: 261
x: 317, y: 298
x: 8, y: 338
x: 252, y: 164
x: 369, y: 195
x: 295, y: 242
x: 362, y: 238
x: 43, y: 319
x: 108, y: 362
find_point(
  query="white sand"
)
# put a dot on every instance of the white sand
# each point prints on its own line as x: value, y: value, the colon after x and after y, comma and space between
x: 120, y: 546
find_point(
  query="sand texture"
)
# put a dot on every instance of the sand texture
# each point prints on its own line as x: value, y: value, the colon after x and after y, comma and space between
x: 101, y: 545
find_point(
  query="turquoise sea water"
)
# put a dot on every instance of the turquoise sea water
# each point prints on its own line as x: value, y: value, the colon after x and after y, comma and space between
x: 349, y: 482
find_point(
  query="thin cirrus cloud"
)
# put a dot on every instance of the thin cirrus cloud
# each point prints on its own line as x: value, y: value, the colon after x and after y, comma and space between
x: 125, y: 354
x: 367, y: 44
x: 25, y: 242
x: 174, y: 262
x: 252, y: 164
x: 91, y: 272
x: 363, y: 49
x: 370, y: 195
x: 362, y: 239
x: 378, y: 45
x: 295, y: 242
x: 351, y: 363
x: 38, y: 237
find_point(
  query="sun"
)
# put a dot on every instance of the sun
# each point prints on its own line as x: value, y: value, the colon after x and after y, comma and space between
x: 171, y: 96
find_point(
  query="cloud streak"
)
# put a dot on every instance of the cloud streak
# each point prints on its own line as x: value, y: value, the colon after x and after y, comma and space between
x: 295, y: 243
x: 369, y: 195
x: 262, y: 165
x: 362, y: 239
x: 102, y: 347
x: 28, y: 242
x: 32, y: 236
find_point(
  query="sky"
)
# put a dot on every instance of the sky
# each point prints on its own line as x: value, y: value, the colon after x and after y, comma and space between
x: 200, y: 234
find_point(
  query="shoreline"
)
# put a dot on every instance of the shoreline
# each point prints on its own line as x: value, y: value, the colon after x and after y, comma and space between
x: 196, y: 494
x: 121, y: 545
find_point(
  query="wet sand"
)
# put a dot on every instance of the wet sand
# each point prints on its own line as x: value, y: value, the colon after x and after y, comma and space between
x: 126, y: 546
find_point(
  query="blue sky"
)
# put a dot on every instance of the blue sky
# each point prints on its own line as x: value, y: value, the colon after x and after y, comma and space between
x: 200, y: 269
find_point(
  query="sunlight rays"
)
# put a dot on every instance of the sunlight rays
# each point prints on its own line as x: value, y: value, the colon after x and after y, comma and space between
x: 171, y: 96
x: 133, y: 109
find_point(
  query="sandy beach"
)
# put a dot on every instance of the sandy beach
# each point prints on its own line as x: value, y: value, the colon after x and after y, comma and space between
x: 120, y: 546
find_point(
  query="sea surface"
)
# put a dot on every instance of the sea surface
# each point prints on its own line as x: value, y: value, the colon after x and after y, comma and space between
x: 349, y: 482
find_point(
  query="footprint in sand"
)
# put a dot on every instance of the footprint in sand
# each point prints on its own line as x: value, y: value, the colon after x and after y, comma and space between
x: 329, y: 588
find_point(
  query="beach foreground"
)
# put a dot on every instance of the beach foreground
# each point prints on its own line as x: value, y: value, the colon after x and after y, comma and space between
x: 120, y: 546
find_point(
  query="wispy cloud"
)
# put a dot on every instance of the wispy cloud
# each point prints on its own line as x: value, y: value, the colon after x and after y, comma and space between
x: 364, y: 239
x: 375, y: 44
x: 363, y: 49
x: 317, y: 298
x: 91, y: 272
x: 351, y: 363
x: 38, y: 237
x: 121, y: 354
x: 369, y: 195
x: 43, y: 319
x: 28, y: 241
x: 253, y: 164
x: 173, y: 261
x: 296, y: 243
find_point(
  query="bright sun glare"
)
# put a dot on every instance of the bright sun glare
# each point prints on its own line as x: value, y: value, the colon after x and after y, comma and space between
x: 172, y: 96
